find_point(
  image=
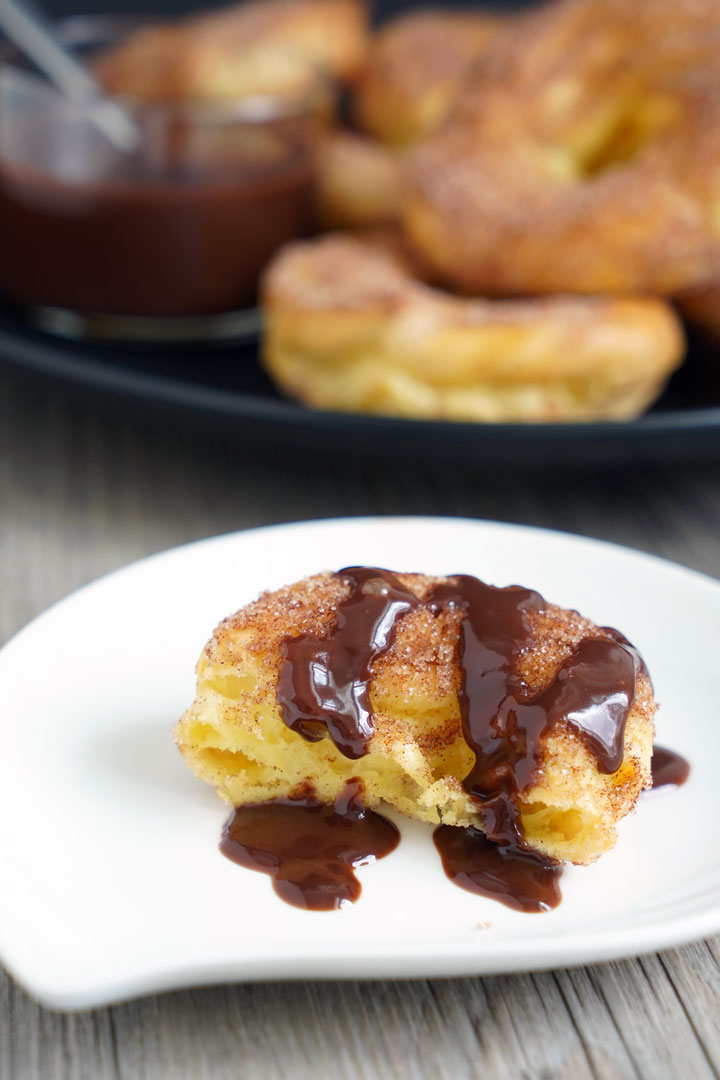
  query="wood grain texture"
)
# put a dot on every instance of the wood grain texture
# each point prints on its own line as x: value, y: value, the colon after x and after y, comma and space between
x: 81, y: 494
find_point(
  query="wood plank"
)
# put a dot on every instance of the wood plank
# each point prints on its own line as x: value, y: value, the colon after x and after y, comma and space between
x: 598, y: 1022
x: 36, y: 1044
x: 651, y: 1020
x: 694, y: 973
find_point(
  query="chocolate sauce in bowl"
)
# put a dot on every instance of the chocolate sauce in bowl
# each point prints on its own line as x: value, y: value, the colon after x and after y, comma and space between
x: 324, y: 682
x: 668, y: 768
x: 310, y: 848
x: 177, y: 246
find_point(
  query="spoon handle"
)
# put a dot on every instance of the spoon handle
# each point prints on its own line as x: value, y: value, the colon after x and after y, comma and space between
x: 30, y: 32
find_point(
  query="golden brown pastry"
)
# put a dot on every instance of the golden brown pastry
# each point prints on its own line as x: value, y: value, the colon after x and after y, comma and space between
x: 349, y: 326
x: 584, y: 157
x: 359, y: 182
x: 416, y: 67
x: 253, y: 48
x: 563, y: 790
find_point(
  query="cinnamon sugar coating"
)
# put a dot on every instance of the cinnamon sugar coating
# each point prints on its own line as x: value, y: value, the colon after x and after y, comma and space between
x: 584, y: 157
x: 416, y: 68
x: 233, y: 735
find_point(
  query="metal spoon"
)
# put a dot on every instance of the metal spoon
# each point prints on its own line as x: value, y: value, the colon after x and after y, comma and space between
x: 31, y: 32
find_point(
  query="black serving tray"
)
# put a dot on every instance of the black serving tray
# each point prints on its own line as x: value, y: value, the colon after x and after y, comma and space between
x: 222, y: 389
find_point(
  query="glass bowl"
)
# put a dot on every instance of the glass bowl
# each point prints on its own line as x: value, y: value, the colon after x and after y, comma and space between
x: 167, y: 241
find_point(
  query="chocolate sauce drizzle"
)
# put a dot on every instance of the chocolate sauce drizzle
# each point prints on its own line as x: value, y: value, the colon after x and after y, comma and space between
x: 324, y: 689
x: 324, y: 682
x: 506, y: 724
x: 308, y: 847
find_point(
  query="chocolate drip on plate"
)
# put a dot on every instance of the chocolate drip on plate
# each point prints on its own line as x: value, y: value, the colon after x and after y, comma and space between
x: 520, y: 879
x: 668, y: 768
x: 310, y: 848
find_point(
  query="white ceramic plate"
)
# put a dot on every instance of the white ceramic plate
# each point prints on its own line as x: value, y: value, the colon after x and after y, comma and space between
x: 112, y: 884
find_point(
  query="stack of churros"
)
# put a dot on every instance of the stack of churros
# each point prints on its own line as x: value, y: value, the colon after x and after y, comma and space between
x: 550, y: 178
x: 516, y: 202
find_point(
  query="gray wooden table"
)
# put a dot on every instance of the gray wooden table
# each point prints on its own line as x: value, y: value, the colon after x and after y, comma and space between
x: 82, y: 494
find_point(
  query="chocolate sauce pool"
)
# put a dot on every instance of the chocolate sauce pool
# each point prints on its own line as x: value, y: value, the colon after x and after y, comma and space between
x: 310, y: 848
x: 324, y: 688
x: 522, y: 880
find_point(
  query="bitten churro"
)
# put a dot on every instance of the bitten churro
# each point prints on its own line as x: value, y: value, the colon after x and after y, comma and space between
x: 455, y: 702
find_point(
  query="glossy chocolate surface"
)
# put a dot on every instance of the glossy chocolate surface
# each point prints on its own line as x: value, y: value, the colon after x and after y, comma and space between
x: 310, y: 849
x: 505, y: 722
x: 518, y: 878
x: 324, y: 683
